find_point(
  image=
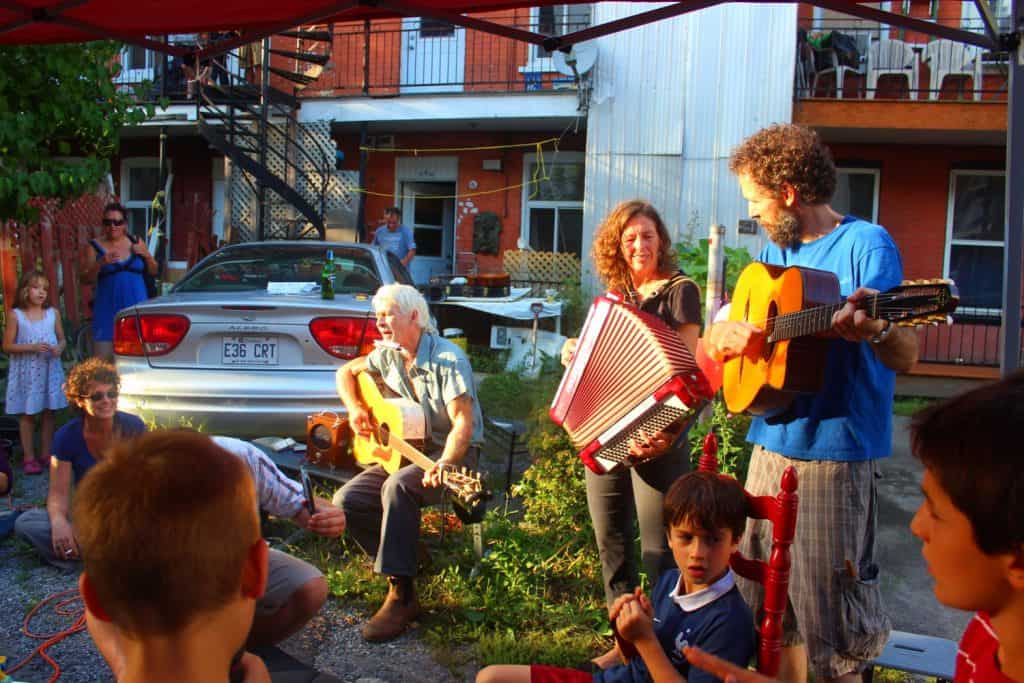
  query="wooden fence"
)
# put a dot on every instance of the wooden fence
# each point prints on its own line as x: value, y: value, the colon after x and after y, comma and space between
x: 53, y: 245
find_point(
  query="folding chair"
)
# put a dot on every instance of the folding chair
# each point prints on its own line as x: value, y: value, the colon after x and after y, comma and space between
x: 780, y: 510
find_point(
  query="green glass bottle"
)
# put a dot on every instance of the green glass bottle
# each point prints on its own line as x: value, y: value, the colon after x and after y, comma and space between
x: 327, y: 277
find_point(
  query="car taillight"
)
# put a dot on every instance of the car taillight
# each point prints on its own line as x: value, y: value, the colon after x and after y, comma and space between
x: 148, y: 334
x: 372, y: 335
x: 344, y: 337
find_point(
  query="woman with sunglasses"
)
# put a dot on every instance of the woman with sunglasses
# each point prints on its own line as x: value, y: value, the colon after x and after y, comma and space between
x: 115, y: 262
x: 91, y: 388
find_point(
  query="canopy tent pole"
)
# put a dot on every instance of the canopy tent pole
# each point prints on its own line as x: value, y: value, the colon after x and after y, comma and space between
x: 1012, y: 254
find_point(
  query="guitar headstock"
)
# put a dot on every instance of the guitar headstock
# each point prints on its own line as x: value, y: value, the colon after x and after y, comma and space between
x: 467, y: 486
x: 918, y: 302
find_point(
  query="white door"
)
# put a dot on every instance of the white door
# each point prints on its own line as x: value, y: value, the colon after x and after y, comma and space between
x: 429, y: 209
x: 433, y: 56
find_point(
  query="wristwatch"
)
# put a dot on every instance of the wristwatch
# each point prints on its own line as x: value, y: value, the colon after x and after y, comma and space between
x: 880, y: 337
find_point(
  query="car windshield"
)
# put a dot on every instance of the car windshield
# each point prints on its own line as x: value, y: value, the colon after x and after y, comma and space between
x: 252, y: 268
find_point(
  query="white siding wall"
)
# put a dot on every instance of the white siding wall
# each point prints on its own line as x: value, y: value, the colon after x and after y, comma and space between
x: 671, y: 100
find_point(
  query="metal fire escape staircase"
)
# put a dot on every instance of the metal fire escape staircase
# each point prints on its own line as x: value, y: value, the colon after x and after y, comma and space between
x: 254, y: 124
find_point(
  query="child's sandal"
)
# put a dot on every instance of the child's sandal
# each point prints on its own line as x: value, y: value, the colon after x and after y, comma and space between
x: 32, y: 467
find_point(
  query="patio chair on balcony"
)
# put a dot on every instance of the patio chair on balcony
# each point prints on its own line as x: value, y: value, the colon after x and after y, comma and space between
x: 892, y: 57
x: 950, y: 58
x: 836, y: 68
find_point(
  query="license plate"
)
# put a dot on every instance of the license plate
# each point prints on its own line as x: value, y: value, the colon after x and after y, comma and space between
x: 249, y: 351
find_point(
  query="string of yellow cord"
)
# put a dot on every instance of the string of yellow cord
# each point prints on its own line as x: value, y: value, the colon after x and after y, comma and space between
x: 540, y: 173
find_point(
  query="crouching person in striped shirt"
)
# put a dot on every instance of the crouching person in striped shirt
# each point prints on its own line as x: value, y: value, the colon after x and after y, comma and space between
x: 296, y: 590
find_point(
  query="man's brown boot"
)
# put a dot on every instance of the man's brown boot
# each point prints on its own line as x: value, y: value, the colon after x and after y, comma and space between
x: 394, y: 616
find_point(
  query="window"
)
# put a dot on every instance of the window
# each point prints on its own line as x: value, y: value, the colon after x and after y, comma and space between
x: 136, y: 65
x: 553, y: 207
x: 970, y: 18
x: 432, y: 28
x: 554, y: 20
x: 974, y: 238
x: 399, y: 271
x: 140, y: 181
x: 857, y: 193
x: 247, y: 267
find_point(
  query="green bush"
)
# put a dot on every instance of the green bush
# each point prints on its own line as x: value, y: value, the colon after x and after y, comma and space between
x: 733, y: 449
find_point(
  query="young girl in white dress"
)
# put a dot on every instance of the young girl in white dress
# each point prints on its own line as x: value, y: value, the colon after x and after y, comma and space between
x: 34, y: 340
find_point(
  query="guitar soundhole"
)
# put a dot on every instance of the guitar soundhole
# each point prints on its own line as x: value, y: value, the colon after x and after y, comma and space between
x: 383, y: 435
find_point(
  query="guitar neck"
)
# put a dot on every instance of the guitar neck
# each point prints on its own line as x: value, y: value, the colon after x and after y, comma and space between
x: 411, y: 453
x: 816, y: 319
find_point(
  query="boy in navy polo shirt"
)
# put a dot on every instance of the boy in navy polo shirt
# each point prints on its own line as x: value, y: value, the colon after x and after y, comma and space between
x: 695, y: 604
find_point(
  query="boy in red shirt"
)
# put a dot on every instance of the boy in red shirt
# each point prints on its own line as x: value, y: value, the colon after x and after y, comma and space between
x: 971, y: 525
x: 972, y: 521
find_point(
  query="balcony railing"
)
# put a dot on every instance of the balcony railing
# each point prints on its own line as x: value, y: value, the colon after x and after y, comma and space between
x: 873, y: 61
x: 165, y: 76
x: 972, y: 339
x: 414, y: 56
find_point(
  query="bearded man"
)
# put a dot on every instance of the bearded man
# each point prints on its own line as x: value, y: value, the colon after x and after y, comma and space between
x: 835, y: 621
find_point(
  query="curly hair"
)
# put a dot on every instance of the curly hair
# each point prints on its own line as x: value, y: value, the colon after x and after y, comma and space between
x: 784, y: 154
x: 90, y: 371
x: 607, y: 248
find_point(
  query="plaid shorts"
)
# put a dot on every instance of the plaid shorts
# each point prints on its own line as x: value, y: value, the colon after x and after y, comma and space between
x: 835, y: 605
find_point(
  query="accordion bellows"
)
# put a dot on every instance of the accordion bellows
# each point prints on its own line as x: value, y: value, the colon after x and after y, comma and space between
x: 630, y: 372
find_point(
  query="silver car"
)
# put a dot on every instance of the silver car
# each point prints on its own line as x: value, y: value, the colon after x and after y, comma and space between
x: 244, y: 345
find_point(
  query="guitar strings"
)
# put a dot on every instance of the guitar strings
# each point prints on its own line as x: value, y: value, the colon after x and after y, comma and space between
x: 801, y: 315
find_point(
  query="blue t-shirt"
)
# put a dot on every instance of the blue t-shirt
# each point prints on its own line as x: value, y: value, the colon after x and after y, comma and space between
x: 850, y: 419
x: 723, y: 627
x: 69, y: 441
x: 398, y: 242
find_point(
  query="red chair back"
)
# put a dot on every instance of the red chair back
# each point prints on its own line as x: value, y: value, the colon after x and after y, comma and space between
x: 780, y: 510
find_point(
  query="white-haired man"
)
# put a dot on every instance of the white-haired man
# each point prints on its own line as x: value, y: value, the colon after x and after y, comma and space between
x: 382, y: 511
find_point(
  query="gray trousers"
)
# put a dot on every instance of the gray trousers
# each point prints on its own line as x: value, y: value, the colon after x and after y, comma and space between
x: 285, y: 575
x: 612, y: 499
x: 383, y: 513
x: 34, y: 526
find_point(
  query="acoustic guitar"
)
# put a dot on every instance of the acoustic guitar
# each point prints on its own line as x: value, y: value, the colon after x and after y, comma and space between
x: 794, y: 307
x: 398, y: 428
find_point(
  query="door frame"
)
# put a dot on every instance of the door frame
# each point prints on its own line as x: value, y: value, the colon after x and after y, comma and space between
x: 430, y: 169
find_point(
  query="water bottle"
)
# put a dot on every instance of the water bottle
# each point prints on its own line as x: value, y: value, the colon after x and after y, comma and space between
x: 327, y: 277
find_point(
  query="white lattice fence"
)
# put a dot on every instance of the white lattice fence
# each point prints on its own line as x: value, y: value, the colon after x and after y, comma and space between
x: 313, y: 155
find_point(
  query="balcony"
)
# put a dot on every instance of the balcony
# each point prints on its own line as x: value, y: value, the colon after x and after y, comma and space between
x: 851, y: 60
x: 415, y: 56
x: 164, y: 76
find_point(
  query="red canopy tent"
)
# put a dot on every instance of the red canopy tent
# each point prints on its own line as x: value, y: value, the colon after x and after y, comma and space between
x: 137, y: 22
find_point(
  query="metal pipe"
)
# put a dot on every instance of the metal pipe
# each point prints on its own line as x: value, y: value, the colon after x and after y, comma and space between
x: 261, y: 189
x: 1012, y: 244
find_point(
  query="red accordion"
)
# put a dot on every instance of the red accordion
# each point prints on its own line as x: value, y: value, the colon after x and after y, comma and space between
x: 630, y: 372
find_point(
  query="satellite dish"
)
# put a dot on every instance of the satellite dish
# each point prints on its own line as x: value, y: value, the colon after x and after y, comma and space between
x: 582, y: 56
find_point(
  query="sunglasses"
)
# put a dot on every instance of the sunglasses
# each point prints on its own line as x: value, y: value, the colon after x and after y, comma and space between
x: 97, y: 396
x: 107, y: 222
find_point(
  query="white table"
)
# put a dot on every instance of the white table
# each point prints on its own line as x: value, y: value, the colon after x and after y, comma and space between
x: 516, y: 308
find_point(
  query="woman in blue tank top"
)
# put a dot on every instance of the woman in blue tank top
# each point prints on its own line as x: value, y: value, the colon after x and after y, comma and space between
x: 116, y: 264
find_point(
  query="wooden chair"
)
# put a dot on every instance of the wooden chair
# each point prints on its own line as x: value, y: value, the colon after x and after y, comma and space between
x: 780, y: 510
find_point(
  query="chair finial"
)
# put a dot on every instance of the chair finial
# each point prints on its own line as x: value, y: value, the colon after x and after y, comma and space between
x: 709, y: 458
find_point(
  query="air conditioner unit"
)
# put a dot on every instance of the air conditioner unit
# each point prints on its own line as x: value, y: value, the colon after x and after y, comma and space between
x: 385, y: 142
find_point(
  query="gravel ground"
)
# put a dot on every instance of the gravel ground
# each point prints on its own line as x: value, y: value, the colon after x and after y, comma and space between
x: 331, y: 642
